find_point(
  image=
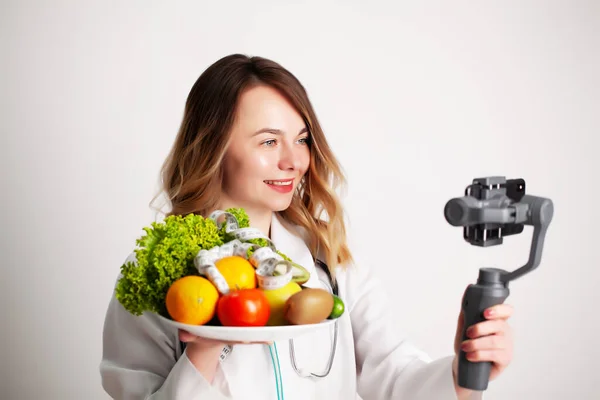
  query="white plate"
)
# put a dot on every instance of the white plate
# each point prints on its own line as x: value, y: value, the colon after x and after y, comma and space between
x: 250, y: 334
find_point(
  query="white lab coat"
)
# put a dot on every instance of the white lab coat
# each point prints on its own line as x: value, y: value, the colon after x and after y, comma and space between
x: 142, y: 360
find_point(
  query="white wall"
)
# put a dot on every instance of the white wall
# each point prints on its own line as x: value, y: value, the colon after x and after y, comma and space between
x: 433, y: 95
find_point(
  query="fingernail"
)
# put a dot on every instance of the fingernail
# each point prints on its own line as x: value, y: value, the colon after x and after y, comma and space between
x: 469, y: 332
x: 490, y: 312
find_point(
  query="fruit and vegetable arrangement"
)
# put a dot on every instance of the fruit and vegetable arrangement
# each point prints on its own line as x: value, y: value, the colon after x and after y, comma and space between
x: 219, y: 271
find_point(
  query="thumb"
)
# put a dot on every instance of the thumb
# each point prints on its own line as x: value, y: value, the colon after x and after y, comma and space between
x: 460, y: 324
x: 186, y: 337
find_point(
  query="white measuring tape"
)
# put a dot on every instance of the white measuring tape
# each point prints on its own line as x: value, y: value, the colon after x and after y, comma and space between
x: 264, y: 259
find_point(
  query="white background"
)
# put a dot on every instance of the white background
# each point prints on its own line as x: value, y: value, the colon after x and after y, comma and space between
x: 416, y: 100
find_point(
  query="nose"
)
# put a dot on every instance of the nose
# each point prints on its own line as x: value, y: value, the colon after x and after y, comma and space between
x: 289, y: 158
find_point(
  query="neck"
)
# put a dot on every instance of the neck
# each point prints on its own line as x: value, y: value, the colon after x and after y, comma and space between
x: 261, y: 221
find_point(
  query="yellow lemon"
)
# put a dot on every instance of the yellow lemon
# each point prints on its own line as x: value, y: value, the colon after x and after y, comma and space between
x: 277, y: 299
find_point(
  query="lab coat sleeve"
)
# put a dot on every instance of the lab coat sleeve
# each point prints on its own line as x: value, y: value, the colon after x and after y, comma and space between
x: 388, y: 365
x: 139, y: 361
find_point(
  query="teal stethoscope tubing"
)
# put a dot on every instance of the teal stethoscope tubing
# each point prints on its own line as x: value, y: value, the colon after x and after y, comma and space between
x: 277, y: 371
x: 273, y: 348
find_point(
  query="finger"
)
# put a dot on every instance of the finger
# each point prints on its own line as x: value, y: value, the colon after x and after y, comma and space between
x: 246, y: 342
x: 464, y: 293
x: 490, y: 327
x: 492, y: 342
x: 499, y: 357
x: 236, y: 343
x: 499, y: 311
x: 460, y: 321
x: 186, y: 337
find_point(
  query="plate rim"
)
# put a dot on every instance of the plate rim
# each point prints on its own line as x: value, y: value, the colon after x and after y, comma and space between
x: 281, y: 332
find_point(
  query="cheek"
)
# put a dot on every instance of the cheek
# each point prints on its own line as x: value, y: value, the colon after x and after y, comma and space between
x: 305, y: 163
x: 263, y: 161
x: 247, y: 169
x: 234, y: 170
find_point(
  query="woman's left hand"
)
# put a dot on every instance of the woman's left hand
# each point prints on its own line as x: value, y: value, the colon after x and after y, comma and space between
x: 489, y: 340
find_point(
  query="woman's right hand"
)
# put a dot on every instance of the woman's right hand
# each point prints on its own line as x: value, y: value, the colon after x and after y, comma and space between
x: 204, y: 353
x: 206, y: 343
x: 199, y: 343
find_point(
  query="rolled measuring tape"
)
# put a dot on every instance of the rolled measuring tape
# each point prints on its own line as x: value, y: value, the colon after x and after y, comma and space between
x: 266, y: 261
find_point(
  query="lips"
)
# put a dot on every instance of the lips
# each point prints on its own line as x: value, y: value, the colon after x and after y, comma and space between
x: 281, y: 185
x: 281, y: 182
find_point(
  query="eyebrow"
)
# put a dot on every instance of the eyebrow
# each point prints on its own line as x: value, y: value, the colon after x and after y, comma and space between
x: 277, y: 131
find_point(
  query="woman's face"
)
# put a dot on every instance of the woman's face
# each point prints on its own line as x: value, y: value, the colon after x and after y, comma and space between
x: 268, y: 153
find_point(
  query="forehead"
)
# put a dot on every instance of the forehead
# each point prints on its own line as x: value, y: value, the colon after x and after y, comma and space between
x: 262, y: 106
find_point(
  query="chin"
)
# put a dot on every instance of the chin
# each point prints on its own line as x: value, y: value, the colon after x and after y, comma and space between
x: 276, y: 206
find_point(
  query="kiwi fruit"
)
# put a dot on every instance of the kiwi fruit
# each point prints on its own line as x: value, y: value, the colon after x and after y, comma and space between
x: 309, y: 306
x: 300, y: 275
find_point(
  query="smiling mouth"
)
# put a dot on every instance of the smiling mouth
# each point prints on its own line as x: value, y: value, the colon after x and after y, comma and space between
x: 280, y: 183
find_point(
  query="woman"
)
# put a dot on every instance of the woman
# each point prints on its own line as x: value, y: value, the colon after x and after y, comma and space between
x: 250, y: 138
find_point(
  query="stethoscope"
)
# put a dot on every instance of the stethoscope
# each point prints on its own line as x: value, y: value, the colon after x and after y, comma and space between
x: 300, y: 371
x: 303, y: 373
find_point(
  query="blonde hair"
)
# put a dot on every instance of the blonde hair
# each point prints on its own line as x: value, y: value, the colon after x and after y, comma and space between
x: 191, y: 174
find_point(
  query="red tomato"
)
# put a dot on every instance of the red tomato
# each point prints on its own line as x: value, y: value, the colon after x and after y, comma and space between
x: 244, y: 307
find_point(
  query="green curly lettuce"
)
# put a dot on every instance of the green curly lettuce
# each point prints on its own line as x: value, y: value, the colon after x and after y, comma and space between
x: 164, y: 254
x: 243, y: 221
x: 240, y: 215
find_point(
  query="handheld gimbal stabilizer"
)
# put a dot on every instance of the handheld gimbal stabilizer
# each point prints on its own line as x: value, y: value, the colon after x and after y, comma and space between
x: 491, y: 209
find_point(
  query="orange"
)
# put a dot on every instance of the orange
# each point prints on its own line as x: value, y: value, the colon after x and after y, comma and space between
x: 238, y: 272
x: 192, y: 300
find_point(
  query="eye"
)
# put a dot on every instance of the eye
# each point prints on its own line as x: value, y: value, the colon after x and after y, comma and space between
x: 269, y: 142
x: 304, y: 140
